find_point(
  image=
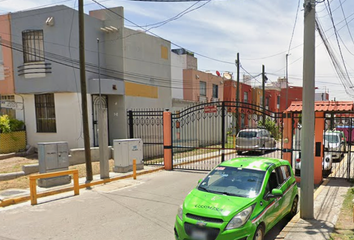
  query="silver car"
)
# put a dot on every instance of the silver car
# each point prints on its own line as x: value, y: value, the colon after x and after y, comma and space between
x: 254, y: 139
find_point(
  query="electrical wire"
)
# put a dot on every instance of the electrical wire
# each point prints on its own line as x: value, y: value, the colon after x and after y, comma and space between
x: 154, y: 34
x: 292, y: 34
x: 341, y: 6
x: 110, y: 73
x: 179, y: 15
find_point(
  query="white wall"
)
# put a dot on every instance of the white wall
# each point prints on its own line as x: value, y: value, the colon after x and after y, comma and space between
x: 178, y: 63
x: 68, y: 120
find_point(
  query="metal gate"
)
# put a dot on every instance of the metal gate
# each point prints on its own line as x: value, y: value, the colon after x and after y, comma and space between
x: 148, y: 125
x: 337, y: 140
x: 206, y: 134
x: 96, y: 103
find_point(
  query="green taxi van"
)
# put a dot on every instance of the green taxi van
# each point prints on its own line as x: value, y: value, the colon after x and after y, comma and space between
x: 240, y: 199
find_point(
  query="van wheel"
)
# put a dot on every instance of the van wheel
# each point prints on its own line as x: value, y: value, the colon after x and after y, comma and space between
x: 259, y: 234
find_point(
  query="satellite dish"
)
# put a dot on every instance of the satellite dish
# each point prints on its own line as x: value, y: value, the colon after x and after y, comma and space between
x: 227, y: 76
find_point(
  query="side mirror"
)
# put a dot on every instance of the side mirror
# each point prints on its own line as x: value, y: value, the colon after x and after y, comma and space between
x: 199, y: 180
x: 275, y: 193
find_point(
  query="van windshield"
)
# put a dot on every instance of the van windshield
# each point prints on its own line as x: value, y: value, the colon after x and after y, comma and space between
x: 247, y: 134
x: 331, y: 138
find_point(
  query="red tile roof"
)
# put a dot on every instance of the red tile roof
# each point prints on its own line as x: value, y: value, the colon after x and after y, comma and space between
x: 323, y: 106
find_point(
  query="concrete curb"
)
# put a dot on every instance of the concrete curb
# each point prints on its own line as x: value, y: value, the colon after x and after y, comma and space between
x: 11, y: 201
x: 10, y: 176
x: 7, y: 155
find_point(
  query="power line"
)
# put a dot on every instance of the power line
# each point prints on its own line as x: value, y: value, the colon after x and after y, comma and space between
x: 154, y: 34
x: 292, y: 34
x: 179, y: 15
x: 351, y: 37
x: 91, y: 68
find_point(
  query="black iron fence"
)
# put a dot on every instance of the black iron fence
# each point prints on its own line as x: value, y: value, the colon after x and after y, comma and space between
x: 206, y: 134
x: 148, y: 125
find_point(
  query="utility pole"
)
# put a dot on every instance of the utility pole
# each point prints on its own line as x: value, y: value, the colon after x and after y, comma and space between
x: 89, y: 176
x: 263, y: 93
x: 237, y: 95
x: 287, y: 81
x: 308, y: 113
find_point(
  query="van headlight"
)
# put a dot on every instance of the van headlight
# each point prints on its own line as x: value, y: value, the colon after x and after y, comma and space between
x: 180, y: 212
x: 240, y: 219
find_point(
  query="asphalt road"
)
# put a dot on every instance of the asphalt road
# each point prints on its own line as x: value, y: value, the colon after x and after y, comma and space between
x: 127, y: 209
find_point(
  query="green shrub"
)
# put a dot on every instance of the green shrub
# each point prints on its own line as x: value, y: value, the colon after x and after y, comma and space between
x: 8, y: 124
x: 5, y: 124
x: 16, y: 125
x: 272, y: 127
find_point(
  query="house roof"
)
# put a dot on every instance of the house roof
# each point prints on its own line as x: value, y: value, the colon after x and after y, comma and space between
x: 323, y: 106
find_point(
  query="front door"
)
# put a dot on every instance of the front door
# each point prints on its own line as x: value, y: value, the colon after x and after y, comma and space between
x: 95, y: 106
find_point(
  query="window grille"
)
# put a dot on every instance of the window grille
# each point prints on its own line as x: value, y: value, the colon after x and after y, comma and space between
x: 45, y: 113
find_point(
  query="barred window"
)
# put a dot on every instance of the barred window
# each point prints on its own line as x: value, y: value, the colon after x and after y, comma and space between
x: 245, y: 97
x: 202, y: 88
x: 33, y: 49
x: 45, y: 112
x: 215, y: 91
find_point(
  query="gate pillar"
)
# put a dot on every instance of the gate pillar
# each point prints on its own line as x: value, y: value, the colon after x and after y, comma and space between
x: 288, y: 137
x: 318, y: 157
x: 167, y: 140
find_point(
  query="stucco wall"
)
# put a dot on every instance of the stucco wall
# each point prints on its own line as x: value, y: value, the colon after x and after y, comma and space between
x: 178, y: 63
x: 6, y: 77
x: 57, y: 39
x: 145, y: 63
x: 68, y: 120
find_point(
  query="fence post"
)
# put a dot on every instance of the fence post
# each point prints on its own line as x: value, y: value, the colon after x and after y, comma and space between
x: 167, y: 140
x: 223, y: 131
x: 131, y: 126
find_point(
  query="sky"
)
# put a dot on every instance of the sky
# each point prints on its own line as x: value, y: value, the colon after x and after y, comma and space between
x: 262, y: 32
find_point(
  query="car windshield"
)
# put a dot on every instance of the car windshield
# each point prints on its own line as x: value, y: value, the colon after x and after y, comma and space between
x: 232, y: 181
x: 247, y: 134
x: 331, y: 138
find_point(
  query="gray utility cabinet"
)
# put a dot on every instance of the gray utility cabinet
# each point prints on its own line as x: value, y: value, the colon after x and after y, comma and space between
x: 53, y: 157
x: 125, y: 150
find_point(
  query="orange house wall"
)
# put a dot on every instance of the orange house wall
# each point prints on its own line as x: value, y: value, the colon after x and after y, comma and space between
x: 7, y: 85
x: 191, y: 84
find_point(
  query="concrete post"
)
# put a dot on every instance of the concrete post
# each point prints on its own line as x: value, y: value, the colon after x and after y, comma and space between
x: 308, y: 113
x: 103, y: 142
x: 167, y: 140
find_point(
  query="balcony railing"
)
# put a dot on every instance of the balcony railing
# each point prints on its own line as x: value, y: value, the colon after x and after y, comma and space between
x: 34, y: 70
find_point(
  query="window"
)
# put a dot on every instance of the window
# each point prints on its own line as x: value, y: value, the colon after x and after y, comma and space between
x: 202, y: 88
x: 45, y: 112
x: 8, y: 111
x: 245, y: 97
x: 278, y: 102
x: 267, y: 103
x: 286, y: 171
x: 215, y: 91
x: 32, y: 42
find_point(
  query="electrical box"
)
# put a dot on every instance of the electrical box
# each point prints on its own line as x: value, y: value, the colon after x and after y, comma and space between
x: 125, y: 150
x: 53, y: 157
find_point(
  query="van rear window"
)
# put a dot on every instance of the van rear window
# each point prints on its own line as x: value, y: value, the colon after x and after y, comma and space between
x: 247, y: 134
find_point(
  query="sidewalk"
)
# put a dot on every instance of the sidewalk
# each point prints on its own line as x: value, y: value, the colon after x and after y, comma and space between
x: 328, y: 202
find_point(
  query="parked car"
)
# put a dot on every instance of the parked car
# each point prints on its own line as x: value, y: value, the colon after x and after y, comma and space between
x: 335, y: 142
x: 326, y: 163
x: 242, y: 198
x: 254, y: 139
